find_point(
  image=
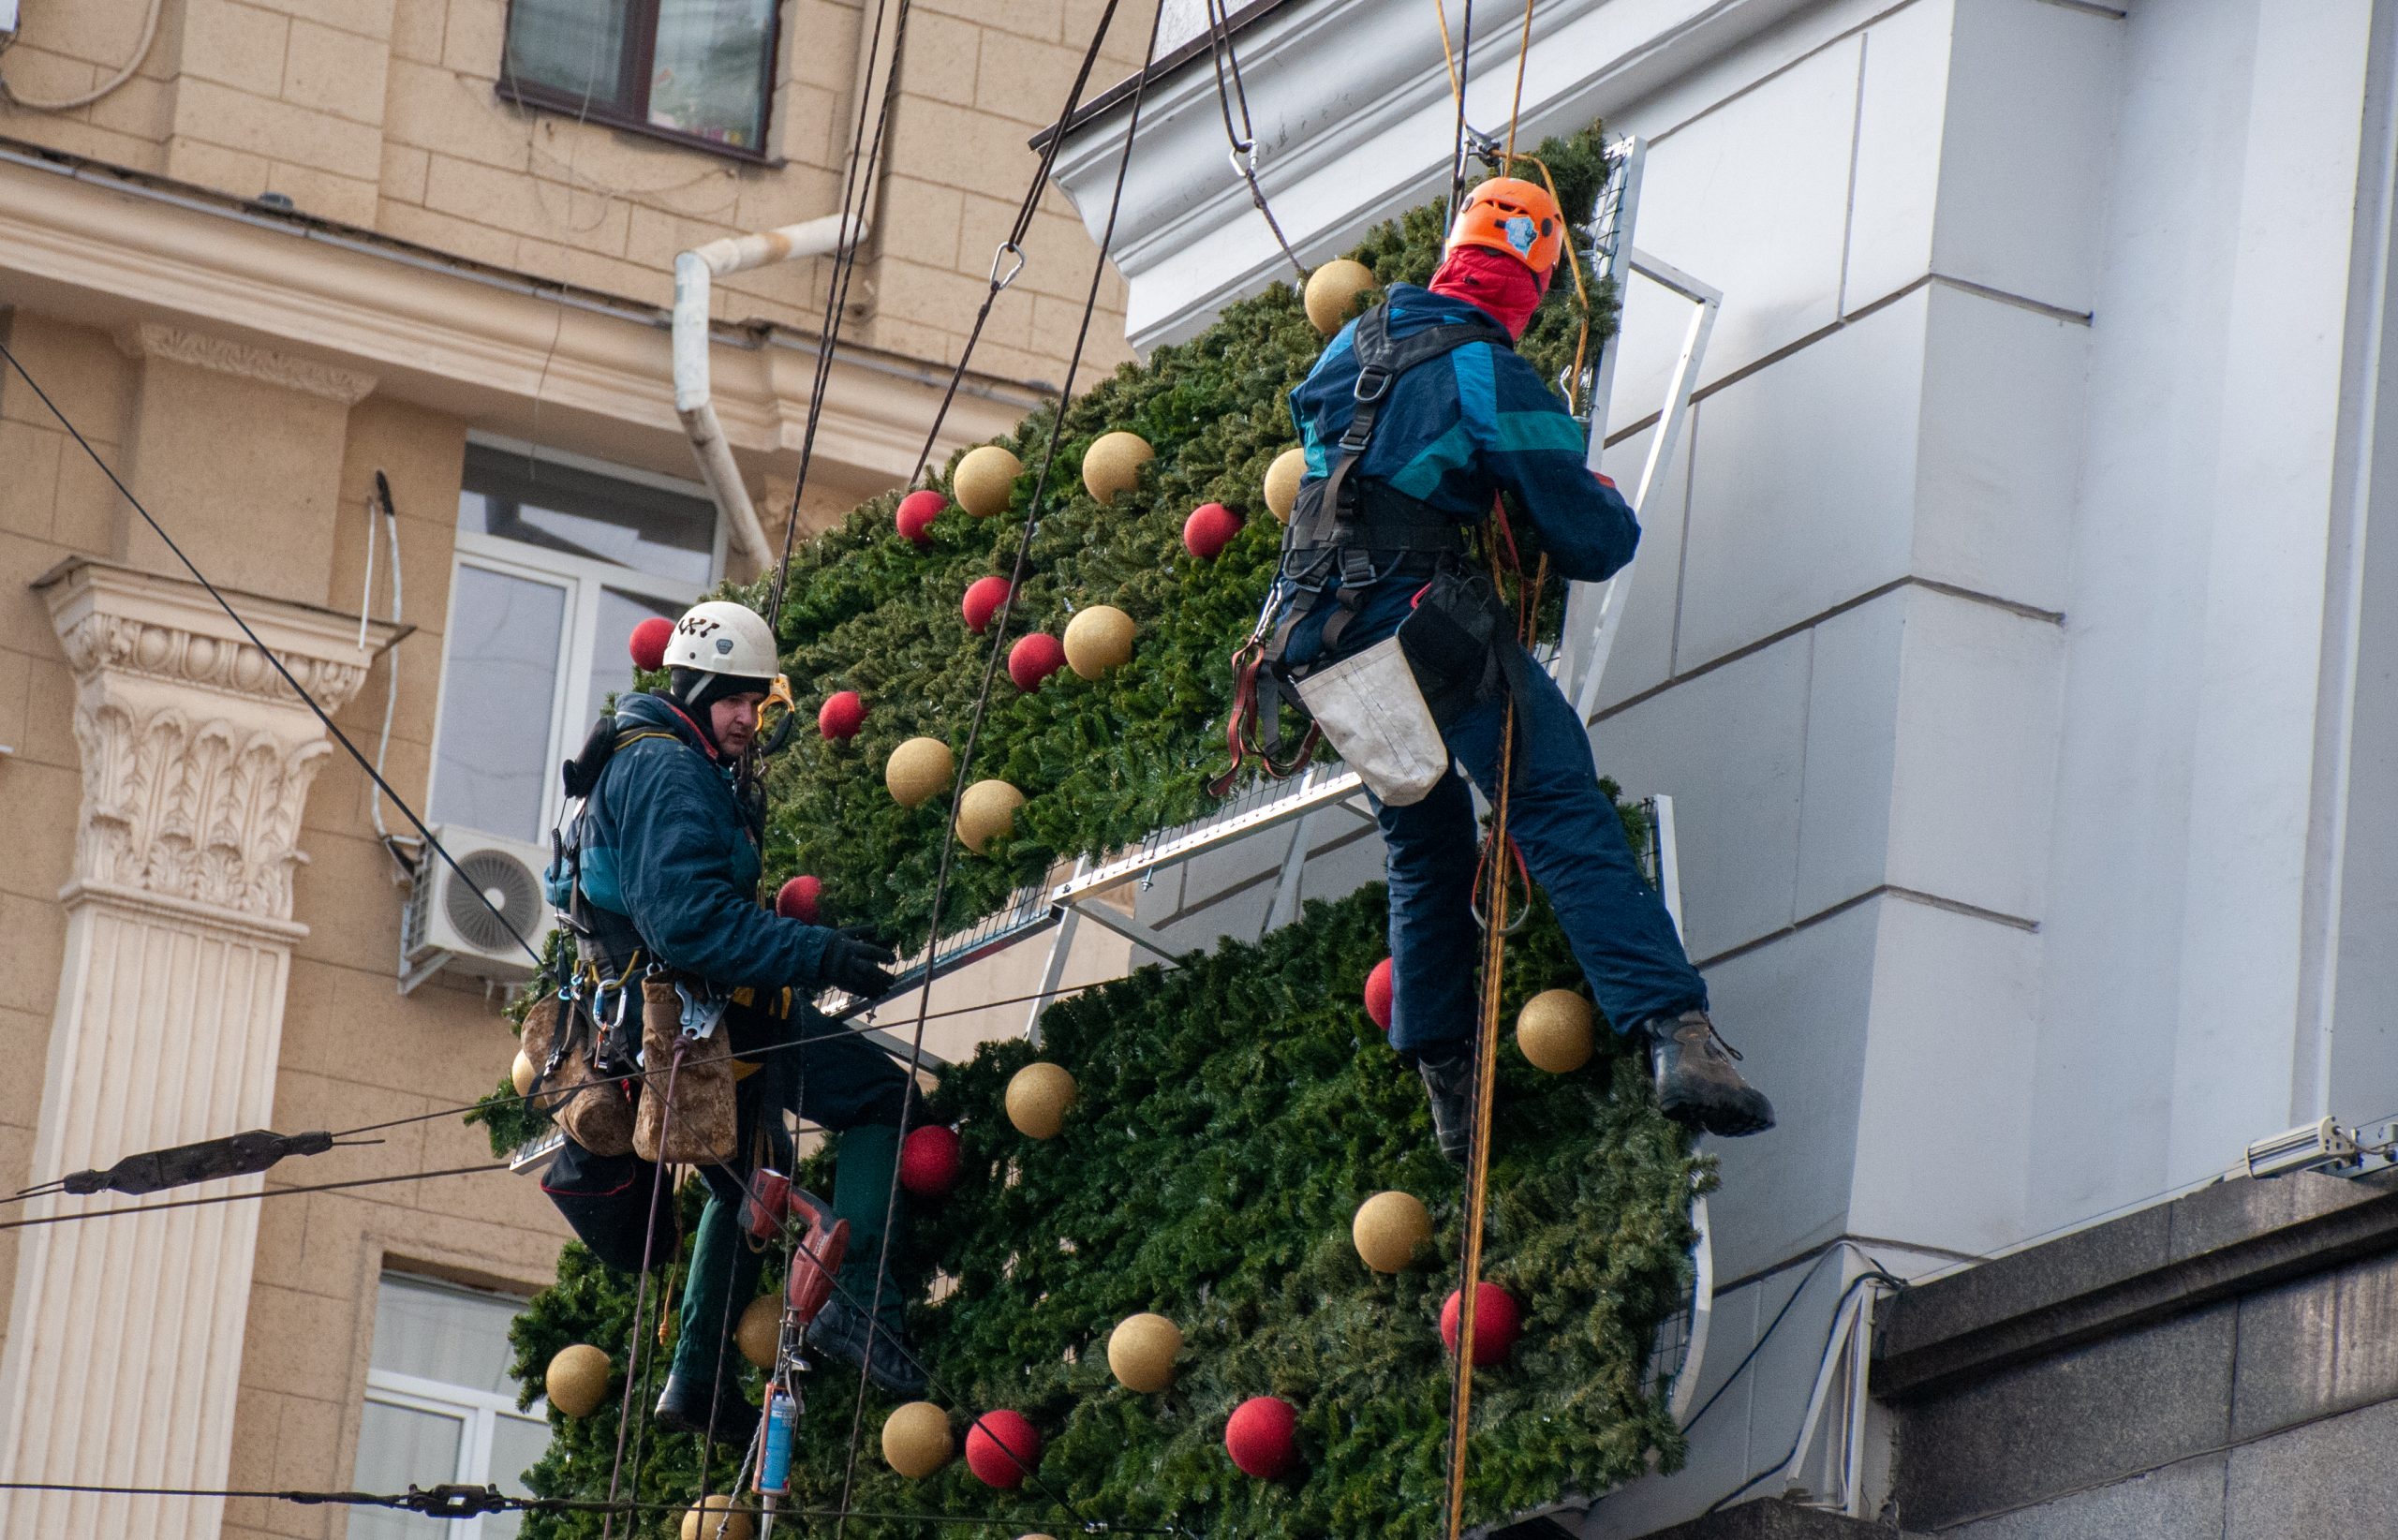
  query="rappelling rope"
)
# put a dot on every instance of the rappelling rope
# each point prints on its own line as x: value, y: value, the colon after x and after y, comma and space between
x: 983, y: 698
x: 641, y: 1297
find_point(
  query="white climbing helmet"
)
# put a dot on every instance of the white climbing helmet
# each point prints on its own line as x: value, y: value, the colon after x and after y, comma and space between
x: 722, y: 637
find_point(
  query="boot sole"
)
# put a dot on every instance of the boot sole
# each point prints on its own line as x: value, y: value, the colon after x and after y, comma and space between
x: 1718, y: 1121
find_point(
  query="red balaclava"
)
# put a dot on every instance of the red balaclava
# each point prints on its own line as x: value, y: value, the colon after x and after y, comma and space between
x: 1504, y: 287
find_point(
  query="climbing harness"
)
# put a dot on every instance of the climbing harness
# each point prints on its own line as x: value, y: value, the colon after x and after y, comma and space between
x: 1381, y: 709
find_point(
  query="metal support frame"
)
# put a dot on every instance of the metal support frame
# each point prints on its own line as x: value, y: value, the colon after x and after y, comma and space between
x: 1827, y: 1467
x: 1593, y: 611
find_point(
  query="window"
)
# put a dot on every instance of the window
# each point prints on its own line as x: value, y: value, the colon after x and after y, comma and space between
x: 441, y: 1407
x: 697, y: 70
x: 557, y: 559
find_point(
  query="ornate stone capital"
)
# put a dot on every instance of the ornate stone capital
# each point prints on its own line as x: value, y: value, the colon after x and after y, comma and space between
x: 150, y: 339
x: 197, y: 756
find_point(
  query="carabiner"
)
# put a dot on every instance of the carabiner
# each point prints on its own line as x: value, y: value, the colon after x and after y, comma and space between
x: 1006, y: 249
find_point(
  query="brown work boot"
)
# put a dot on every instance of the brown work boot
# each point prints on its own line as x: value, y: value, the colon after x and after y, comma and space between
x: 1696, y: 1083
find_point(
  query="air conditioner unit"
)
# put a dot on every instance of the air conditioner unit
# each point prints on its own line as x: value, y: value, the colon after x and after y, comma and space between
x: 449, y: 922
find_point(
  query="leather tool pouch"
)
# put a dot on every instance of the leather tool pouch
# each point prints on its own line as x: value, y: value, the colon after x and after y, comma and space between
x: 593, y: 1109
x: 1458, y: 641
x: 703, y: 1126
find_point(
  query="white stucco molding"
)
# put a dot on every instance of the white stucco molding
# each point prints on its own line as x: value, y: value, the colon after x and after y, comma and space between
x: 325, y: 382
x: 197, y: 756
x: 1354, y: 122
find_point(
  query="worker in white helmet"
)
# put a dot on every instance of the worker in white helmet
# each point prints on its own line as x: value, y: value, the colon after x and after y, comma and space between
x: 667, y: 862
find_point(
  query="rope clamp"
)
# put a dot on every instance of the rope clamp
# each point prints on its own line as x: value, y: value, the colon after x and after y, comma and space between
x: 700, y: 1013
x: 1006, y: 249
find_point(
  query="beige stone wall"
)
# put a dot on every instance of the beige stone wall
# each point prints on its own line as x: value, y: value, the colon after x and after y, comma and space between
x: 383, y: 115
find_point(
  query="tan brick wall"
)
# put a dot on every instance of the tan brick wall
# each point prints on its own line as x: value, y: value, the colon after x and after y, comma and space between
x: 384, y: 115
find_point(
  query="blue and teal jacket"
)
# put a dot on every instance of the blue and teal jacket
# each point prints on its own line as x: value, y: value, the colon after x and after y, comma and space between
x: 665, y: 842
x: 1456, y: 431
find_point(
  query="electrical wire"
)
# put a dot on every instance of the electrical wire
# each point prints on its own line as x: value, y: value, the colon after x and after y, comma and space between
x: 273, y: 660
x: 990, y: 672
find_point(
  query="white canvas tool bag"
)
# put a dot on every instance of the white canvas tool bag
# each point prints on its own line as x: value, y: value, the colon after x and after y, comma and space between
x: 1374, y: 717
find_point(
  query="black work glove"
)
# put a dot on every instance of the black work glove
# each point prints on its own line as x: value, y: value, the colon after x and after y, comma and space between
x: 858, y: 966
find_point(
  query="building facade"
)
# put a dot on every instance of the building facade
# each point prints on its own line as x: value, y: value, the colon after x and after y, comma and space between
x: 267, y: 259
x: 2011, y: 621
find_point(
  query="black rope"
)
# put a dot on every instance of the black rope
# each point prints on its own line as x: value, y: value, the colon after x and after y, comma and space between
x: 1458, y: 156
x: 244, y: 1197
x: 983, y: 696
x: 856, y: 181
x: 1014, y: 244
x: 1244, y: 139
x: 235, y: 616
x: 641, y: 1299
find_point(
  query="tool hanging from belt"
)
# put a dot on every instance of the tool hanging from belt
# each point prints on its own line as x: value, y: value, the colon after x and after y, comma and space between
x: 1346, y: 534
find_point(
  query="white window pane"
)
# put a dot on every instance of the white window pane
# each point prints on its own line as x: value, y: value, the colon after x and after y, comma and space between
x: 516, y: 1443
x: 707, y: 74
x: 506, y: 636
x: 397, y: 1446
x: 453, y: 1336
x: 580, y: 512
x: 612, y: 665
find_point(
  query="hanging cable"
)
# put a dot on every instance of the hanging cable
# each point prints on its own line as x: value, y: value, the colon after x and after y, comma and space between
x: 273, y: 660
x: 1244, y: 139
x: 258, y: 1195
x: 990, y: 671
x: 1459, y: 65
x: 1008, y: 258
x: 640, y: 1300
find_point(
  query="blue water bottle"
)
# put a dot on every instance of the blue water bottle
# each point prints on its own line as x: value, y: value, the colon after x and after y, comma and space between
x: 782, y: 1418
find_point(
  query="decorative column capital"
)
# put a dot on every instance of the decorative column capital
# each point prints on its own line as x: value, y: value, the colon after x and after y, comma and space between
x: 197, y: 756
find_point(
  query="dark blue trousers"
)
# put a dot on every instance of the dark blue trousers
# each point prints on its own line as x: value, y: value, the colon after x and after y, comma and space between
x: 1572, y: 840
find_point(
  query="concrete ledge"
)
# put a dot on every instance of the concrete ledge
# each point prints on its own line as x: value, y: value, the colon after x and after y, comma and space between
x: 1774, y: 1519
x: 2236, y: 1238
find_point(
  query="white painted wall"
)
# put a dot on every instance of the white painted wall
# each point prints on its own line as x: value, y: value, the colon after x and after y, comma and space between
x: 2009, y: 627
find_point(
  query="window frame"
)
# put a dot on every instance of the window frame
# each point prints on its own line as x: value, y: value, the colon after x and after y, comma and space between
x: 582, y: 578
x: 635, y: 67
x: 478, y: 1410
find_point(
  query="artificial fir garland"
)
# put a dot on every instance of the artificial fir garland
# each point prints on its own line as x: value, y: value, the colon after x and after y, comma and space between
x: 1234, y: 1112
x: 1234, y: 1109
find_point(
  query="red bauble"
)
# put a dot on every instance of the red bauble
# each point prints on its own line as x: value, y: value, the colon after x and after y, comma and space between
x: 840, y: 715
x: 1001, y: 1449
x: 1263, y: 1436
x: 983, y: 596
x: 1210, y: 528
x: 1034, y: 658
x: 1497, y: 1323
x: 917, y: 512
x: 648, y: 643
x: 929, y: 1163
x: 796, y: 899
x: 1378, y: 994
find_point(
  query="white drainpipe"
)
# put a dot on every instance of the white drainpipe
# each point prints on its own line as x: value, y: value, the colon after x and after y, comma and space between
x: 696, y: 268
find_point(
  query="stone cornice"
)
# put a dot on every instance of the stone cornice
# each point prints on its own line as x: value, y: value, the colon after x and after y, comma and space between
x: 1354, y: 121
x: 469, y: 340
x: 196, y: 757
x: 150, y: 339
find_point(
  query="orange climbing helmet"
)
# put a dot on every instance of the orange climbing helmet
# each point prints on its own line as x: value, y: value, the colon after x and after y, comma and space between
x: 1511, y: 215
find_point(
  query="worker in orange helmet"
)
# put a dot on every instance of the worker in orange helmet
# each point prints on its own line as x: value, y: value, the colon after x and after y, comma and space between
x: 1416, y: 417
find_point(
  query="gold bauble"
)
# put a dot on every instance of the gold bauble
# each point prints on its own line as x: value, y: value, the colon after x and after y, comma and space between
x: 577, y: 1382
x: 1554, y: 1031
x: 983, y: 480
x: 1283, y: 478
x: 521, y: 1074
x: 1332, y: 289
x: 1388, y: 1228
x: 1113, y: 464
x: 1141, y: 1350
x: 987, y: 812
x: 1098, y: 639
x: 760, y: 1332
x: 714, y: 1518
x: 916, y: 1439
x: 1038, y: 1097
x: 918, y: 771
